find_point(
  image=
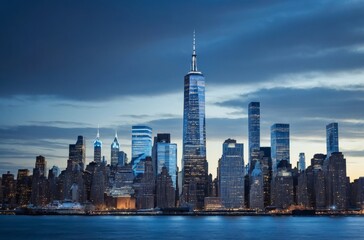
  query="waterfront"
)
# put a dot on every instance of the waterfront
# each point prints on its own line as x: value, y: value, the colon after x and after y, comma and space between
x: 181, y: 227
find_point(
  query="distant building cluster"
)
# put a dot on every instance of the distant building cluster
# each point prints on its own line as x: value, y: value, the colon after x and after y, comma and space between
x: 152, y: 180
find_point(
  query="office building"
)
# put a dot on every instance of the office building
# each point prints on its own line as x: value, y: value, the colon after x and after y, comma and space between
x: 254, y: 133
x: 97, y: 147
x: 256, y: 195
x: 336, y: 182
x: 279, y: 144
x: 231, y: 175
x: 115, y: 146
x: 302, y: 162
x: 332, y: 138
x: 77, y: 154
x: 166, y: 156
x: 141, y: 147
x: 194, y: 164
x: 165, y: 190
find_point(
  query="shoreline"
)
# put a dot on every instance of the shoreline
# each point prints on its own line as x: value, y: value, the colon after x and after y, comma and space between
x: 38, y: 212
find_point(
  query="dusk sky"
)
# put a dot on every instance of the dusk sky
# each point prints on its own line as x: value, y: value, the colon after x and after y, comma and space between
x: 67, y: 66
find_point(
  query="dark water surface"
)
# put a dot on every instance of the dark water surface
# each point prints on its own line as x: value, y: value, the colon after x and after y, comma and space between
x: 180, y: 227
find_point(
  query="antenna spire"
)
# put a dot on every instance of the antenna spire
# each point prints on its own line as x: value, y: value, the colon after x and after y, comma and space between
x: 194, y: 56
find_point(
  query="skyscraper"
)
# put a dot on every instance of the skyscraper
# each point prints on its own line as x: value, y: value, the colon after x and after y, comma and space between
x: 165, y: 192
x: 337, y: 181
x: 256, y: 188
x: 266, y: 166
x: 77, y: 153
x: 97, y: 147
x: 194, y: 165
x: 231, y: 175
x: 23, y: 187
x: 122, y: 158
x: 41, y: 164
x: 166, y: 156
x: 332, y: 138
x: 279, y: 144
x: 9, y: 190
x: 161, y: 137
x: 141, y: 147
x: 115, y: 146
x: 302, y: 162
x: 254, y: 133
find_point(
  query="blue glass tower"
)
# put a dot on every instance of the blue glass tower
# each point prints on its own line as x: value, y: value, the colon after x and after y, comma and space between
x: 332, y: 138
x: 279, y: 144
x: 141, y: 147
x: 97, y: 147
x: 115, y: 146
x: 194, y: 137
x: 167, y: 157
x: 254, y: 133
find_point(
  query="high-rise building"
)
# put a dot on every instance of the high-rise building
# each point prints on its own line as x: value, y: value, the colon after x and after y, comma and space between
x: 231, y: 175
x: 97, y: 147
x: 145, y: 194
x: 161, y: 137
x: 9, y: 190
x: 77, y: 154
x: 194, y: 164
x: 115, y: 146
x: 141, y: 147
x: 256, y: 188
x: 266, y: 166
x: 337, y: 182
x: 166, y: 156
x: 279, y: 144
x: 122, y: 158
x: 254, y: 133
x: 332, y: 138
x: 282, y: 186
x: 302, y: 162
x: 41, y: 164
x: 23, y: 187
x: 165, y: 191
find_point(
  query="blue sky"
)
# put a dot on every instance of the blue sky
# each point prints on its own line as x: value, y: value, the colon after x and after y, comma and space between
x: 67, y: 66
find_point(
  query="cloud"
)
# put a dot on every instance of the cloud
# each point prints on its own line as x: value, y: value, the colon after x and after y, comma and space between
x: 118, y: 48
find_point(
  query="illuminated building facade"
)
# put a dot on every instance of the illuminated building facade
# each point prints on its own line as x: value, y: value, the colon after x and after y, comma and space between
x: 194, y: 164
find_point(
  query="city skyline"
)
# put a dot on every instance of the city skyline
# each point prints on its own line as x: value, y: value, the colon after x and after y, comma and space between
x: 311, y: 74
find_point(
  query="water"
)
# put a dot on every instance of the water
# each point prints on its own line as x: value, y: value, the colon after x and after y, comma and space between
x: 180, y: 227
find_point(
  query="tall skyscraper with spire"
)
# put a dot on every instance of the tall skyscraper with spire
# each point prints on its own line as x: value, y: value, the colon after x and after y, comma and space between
x: 97, y: 147
x: 194, y: 136
x: 115, y: 146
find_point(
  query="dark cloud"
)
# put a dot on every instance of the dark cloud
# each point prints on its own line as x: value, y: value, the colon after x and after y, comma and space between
x: 93, y: 50
x: 56, y: 123
x: 304, y: 105
x: 352, y: 153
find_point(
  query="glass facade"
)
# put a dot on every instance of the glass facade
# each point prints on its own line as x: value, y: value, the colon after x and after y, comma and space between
x: 115, y: 146
x: 167, y: 157
x: 332, y: 138
x: 279, y: 144
x: 194, y: 137
x: 77, y: 153
x: 254, y: 132
x: 302, y: 162
x: 97, y: 148
x: 141, y: 147
x: 231, y: 175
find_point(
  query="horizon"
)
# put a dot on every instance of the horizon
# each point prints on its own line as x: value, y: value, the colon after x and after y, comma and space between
x: 301, y: 61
